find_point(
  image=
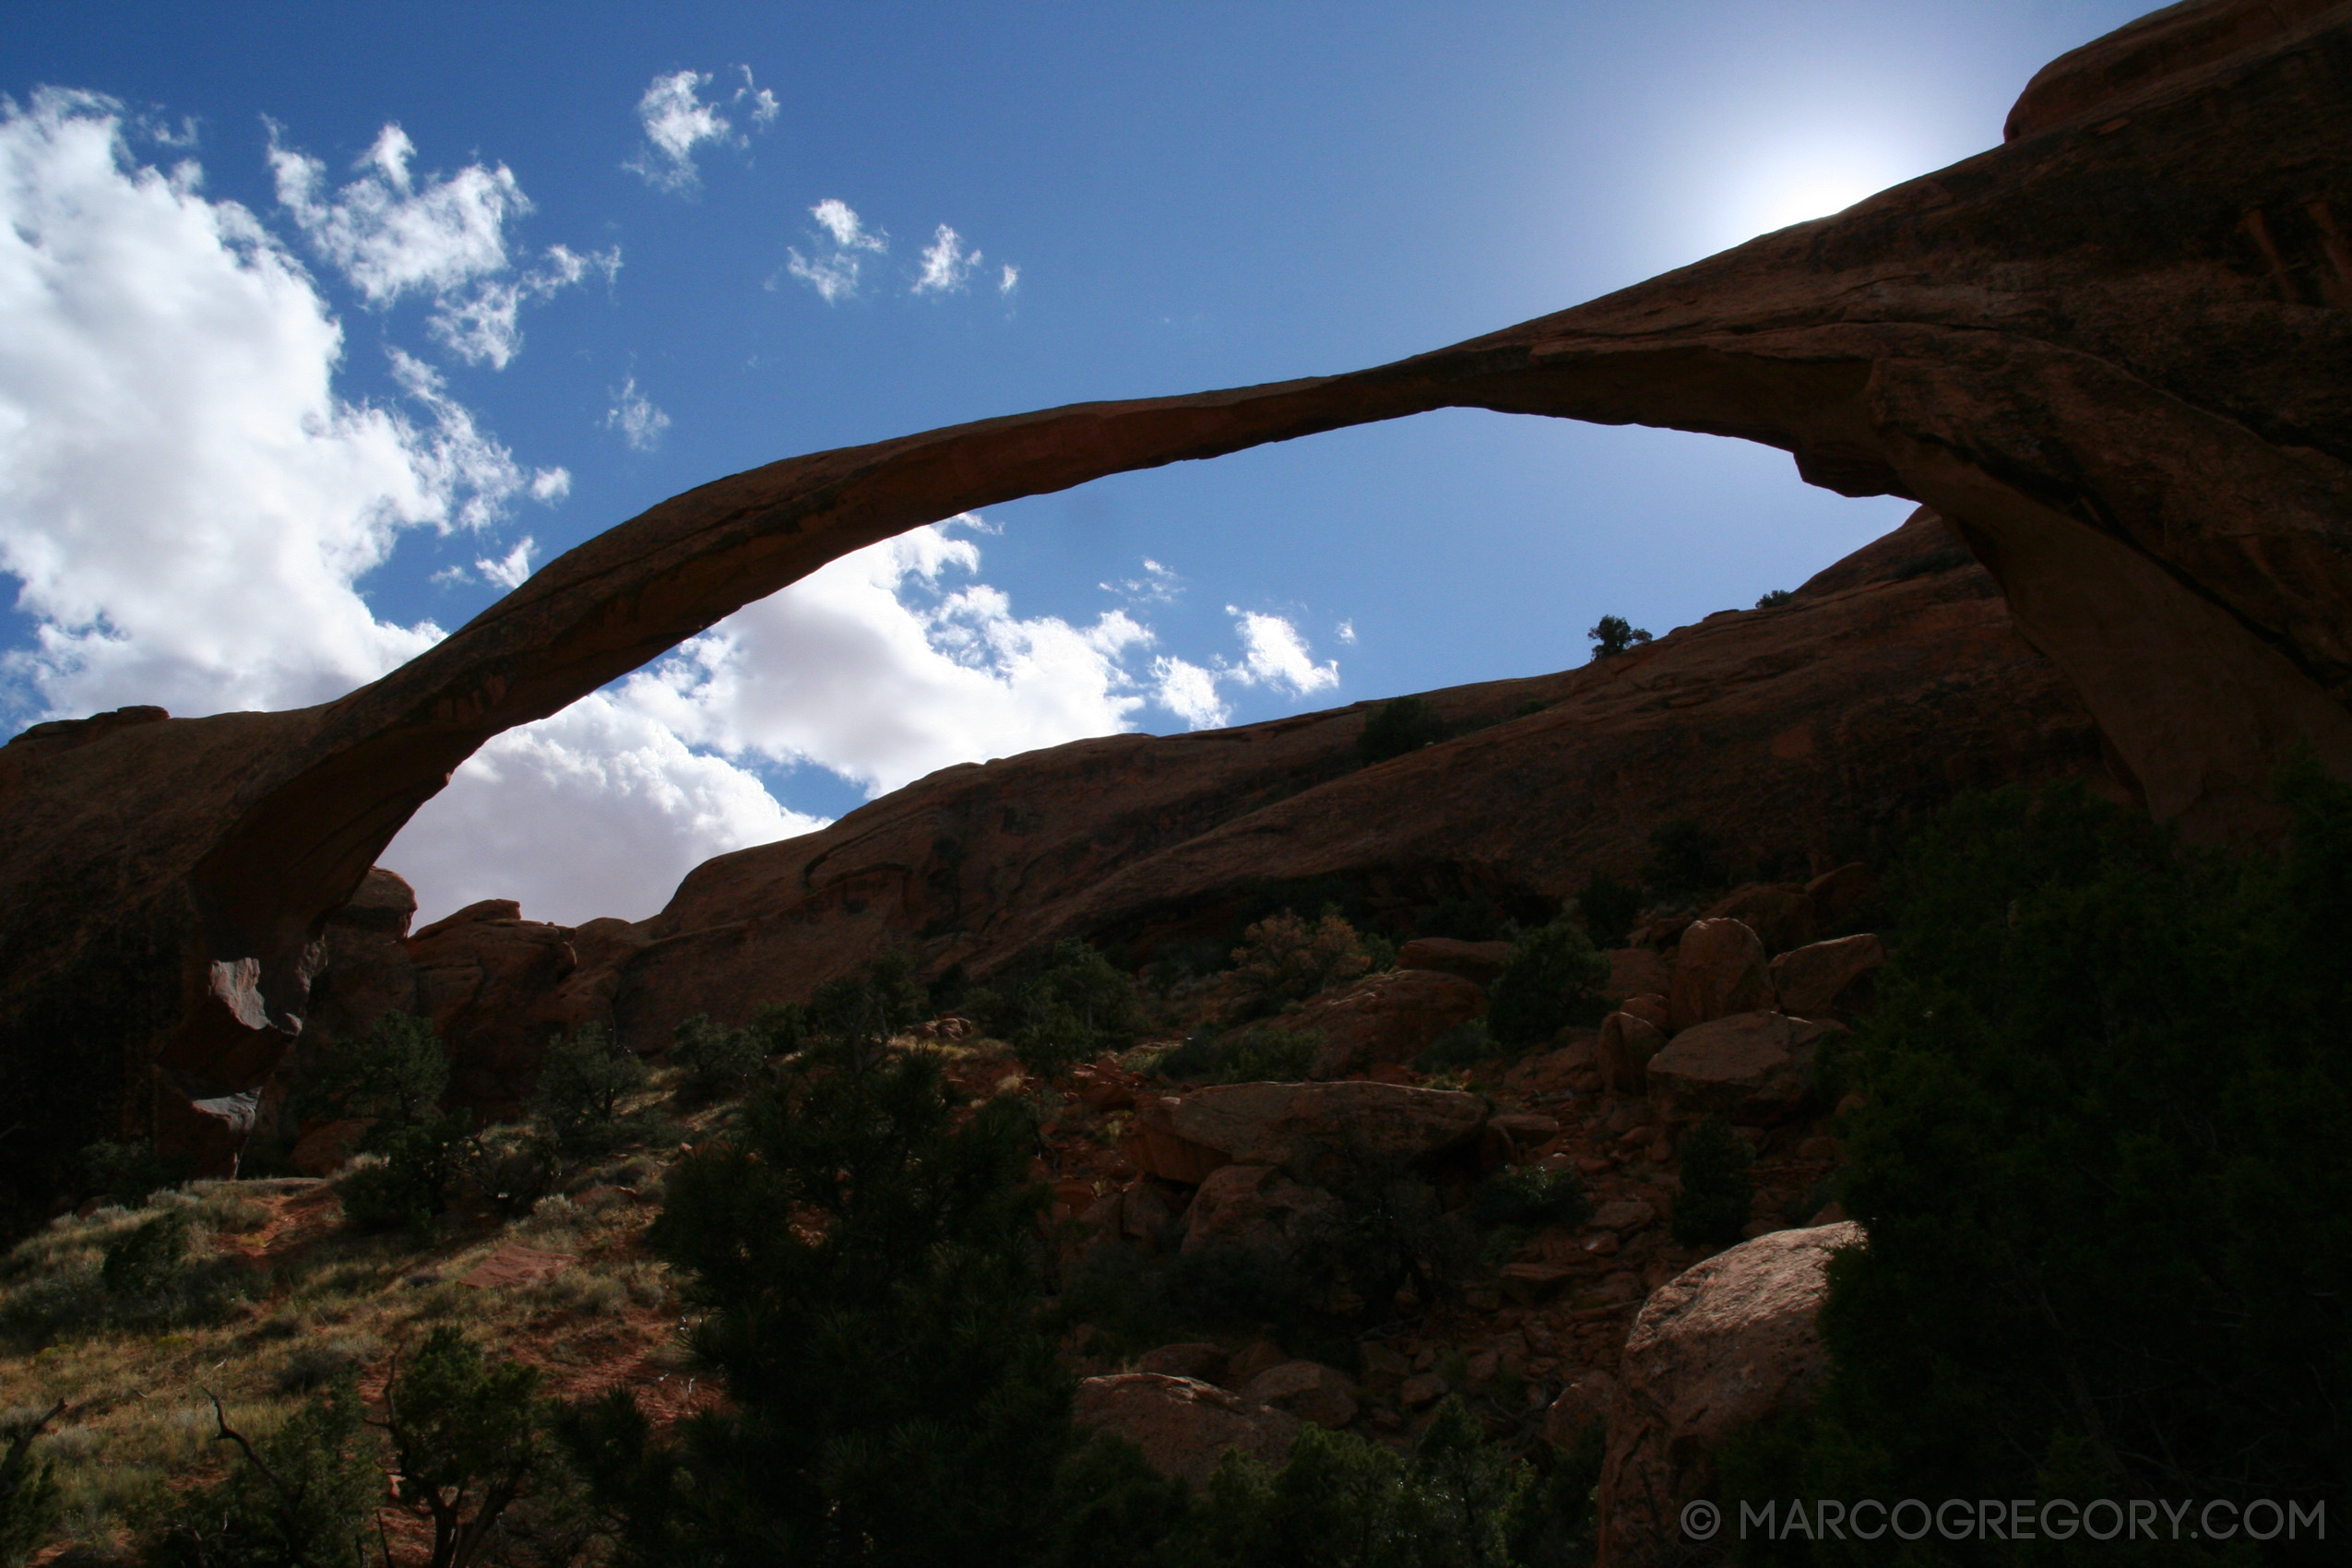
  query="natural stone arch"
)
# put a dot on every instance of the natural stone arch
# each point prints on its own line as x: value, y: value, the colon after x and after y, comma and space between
x: 2115, y: 352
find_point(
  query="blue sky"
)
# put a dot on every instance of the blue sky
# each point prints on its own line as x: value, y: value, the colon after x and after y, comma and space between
x: 312, y: 315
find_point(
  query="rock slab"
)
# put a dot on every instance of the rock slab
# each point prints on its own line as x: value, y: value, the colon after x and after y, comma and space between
x: 1724, y: 1344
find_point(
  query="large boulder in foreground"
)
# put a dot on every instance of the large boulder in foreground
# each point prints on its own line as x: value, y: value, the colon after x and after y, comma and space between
x: 1183, y: 1425
x: 1724, y: 1344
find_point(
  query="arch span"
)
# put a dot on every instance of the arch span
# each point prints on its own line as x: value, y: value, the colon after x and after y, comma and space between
x: 2116, y: 352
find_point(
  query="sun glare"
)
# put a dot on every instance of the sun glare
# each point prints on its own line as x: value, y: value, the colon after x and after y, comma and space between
x: 1776, y: 188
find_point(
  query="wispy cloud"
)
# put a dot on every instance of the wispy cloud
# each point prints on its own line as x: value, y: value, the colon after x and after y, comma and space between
x: 678, y: 119
x: 946, y: 264
x: 833, y: 270
x: 1157, y: 585
x: 510, y: 571
x: 390, y: 234
x: 1010, y: 280
x: 633, y: 415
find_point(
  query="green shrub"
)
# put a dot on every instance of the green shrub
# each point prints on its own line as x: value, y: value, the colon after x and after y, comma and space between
x: 1471, y: 918
x: 866, y: 1011
x: 1613, y: 636
x: 2105, y: 1169
x: 1262, y: 1055
x: 1285, y: 957
x: 1345, y: 1501
x: 31, y: 1501
x: 1775, y: 598
x: 127, y: 1173
x: 717, y: 1062
x: 1531, y: 1194
x: 1552, y: 978
x: 1394, y: 728
x: 465, y: 1439
x: 862, y: 1259
x: 581, y: 1085
x: 1717, y: 1195
x: 1462, y: 1046
x: 1607, y: 908
x: 395, y: 1073
x: 1079, y: 1006
x: 300, y: 1497
x: 424, y: 1162
x: 1685, y: 859
x: 149, y: 1260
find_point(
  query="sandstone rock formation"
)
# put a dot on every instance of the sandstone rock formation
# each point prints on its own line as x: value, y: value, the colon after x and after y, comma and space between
x: 1183, y: 1425
x: 1718, y: 970
x: 1752, y: 1067
x: 1826, y: 979
x: 1386, y: 1017
x: 1800, y: 730
x: 1311, y: 1130
x: 1723, y: 1345
x: 2115, y: 351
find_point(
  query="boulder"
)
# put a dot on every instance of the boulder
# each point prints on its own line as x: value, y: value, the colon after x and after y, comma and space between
x: 1312, y: 1131
x: 326, y: 1148
x: 1194, y: 1358
x: 1725, y: 1344
x: 1309, y: 1390
x: 1637, y: 972
x: 1751, y: 1067
x: 1627, y: 1044
x: 365, y: 973
x: 1841, y: 894
x: 1650, y: 1007
x: 1718, y: 970
x: 1829, y: 979
x: 1183, y: 1425
x: 1782, y: 915
x: 1477, y: 962
x: 1518, y: 1136
x: 1257, y: 1207
x: 1623, y: 1216
x: 1385, y: 1017
x: 1581, y: 1406
x: 492, y: 984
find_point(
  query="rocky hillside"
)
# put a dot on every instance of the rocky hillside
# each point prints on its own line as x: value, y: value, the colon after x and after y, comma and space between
x: 1802, y: 735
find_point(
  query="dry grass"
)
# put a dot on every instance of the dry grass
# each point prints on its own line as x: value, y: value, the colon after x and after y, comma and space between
x: 292, y: 1299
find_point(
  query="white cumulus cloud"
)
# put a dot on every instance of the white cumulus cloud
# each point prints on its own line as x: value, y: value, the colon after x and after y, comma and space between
x: 185, y: 498
x: 833, y: 270
x: 598, y: 811
x: 1274, y: 654
x: 946, y: 264
x: 678, y: 119
x: 633, y: 415
x: 188, y: 507
x: 878, y: 667
x: 510, y: 571
x: 390, y: 235
x: 1189, y: 691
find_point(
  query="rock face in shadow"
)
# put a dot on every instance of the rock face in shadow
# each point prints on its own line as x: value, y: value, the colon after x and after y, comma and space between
x: 2114, y: 352
x: 1800, y: 732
